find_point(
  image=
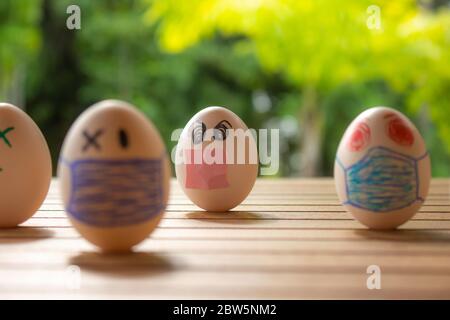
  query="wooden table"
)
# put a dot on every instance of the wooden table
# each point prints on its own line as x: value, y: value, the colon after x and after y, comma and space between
x: 289, y: 240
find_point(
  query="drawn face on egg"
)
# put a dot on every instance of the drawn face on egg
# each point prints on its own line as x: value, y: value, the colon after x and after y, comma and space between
x: 382, y: 127
x: 5, y: 140
x: 206, y: 159
x: 116, y: 166
x: 3, y: 136
x: 382, y: 166
x: 217, y: 159
x: 20, y: 178
x: 93, y: 140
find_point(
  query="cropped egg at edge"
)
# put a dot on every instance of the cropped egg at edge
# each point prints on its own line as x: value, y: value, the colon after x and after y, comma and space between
x: 114, y: 175
x: 217, y: 159
x: 25, y: 166
x: 382, y: 170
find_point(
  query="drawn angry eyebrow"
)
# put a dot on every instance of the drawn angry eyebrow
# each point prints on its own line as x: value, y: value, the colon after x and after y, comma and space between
x: 3, y: 136
x: 198, y: 132
x: 221, y: 130
x: 222, y: 124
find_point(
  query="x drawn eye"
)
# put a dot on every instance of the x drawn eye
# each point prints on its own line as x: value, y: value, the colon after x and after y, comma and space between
x: 3, y: 136
x: 92, y: 139
x: 221, y: 130
x: 198, y: 132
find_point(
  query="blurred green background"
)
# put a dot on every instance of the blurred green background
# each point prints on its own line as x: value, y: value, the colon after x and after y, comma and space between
x: 305, y: 67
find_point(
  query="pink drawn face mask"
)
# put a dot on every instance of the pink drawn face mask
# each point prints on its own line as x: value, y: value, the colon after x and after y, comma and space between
x: 204, y: 175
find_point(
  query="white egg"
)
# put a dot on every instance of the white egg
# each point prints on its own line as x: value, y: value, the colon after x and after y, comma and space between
x: 223, y: 181
x: 114, y: 175
x: 25, y: 166
x: 382, y: 170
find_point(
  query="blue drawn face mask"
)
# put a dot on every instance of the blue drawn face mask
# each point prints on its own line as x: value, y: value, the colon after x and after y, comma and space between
x: 110, y: 193
x: 383, y: 180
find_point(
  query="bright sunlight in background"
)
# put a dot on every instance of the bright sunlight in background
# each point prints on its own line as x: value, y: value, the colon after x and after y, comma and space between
x: 306, y: 67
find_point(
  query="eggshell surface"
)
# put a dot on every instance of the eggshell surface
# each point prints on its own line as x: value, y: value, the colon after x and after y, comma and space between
x: 217, y: 159
x: 382, y: 170
x: 114, y: 175
x: 25, y: 166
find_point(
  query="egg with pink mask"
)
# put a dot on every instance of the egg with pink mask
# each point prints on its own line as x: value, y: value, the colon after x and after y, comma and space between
x: 216, y: 159
x: 382, y: 170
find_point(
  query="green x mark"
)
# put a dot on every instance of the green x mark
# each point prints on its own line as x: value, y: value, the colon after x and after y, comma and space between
x: 3, y: 136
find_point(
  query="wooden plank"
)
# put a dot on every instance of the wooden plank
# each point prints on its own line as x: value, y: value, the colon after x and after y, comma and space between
x: 185, y: 284
x: 273, y: 224
x: 290, y: 239
x: 246, y: 215
x: 334, y: 247
x: 229, y: 262
x: 265, y: 208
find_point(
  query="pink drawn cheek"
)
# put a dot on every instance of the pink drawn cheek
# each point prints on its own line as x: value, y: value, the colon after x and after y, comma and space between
x: 204, y: 176
x: 360, y: 137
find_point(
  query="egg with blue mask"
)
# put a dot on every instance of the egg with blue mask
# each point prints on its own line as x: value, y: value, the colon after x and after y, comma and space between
x: 114, y: 175
x: 382, y: 170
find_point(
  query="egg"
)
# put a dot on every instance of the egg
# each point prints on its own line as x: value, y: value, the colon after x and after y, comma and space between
x: 25, y: 166
x: 382, y: 170
x: 216, y: 159
x: 114, y: 175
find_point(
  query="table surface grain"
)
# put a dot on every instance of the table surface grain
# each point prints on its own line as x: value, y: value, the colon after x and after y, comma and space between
x: 290, y: 239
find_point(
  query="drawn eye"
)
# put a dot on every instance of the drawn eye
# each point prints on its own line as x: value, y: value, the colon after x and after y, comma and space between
x: 123, y: 138
x: 91, y: 140
x: 198, y: 132
x: 221, y: 130
x: 3, y: 136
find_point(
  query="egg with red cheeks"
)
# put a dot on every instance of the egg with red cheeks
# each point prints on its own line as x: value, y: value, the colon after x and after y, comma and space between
x: 382, y: 170
x: 216, y: 159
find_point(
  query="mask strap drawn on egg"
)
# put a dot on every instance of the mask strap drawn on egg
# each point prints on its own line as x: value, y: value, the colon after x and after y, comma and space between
x: 116, y: 192
x: 383, y: 180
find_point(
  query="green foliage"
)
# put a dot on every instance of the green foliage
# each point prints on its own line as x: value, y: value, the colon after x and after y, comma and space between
x: 327, y: 45
x: 123, y: 62
x: 114, y: 55
x: 19, y: 36
x: 262, y: 59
